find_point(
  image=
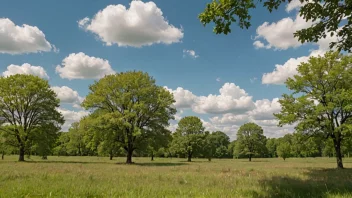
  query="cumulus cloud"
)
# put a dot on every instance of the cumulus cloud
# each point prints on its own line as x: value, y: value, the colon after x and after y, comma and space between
x: 25, y: 69
x: 16, y: 39
x: 81, y: 66
x: 231, y: 99
x: 71, y: 117
x: 141, y: 24
x: 190, y: 53
x: 184, y: 98
x: 264, y: 109
x: 279, y: 35
x: 68, y: 96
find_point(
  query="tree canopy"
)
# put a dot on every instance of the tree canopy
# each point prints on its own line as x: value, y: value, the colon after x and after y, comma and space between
x: 189, y: 136
x: 321, y: 103
x: 250, y: 140
x: 27, y: 107
x: 329, y: 17
x: 132, y: 105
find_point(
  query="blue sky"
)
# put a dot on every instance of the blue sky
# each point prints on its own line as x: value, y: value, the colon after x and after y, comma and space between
x: 173, y: 47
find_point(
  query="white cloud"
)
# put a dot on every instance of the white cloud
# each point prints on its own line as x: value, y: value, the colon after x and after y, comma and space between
x: 16, y: 39
x: 81, y: 66
x: 258, y: 44
x: 279, y: 35
x: 294, y: 5
x: 218, y: 79
x: 190, y: 53
x: 68, y: 96
x: 231, y: 99
x: 71, y: 117
x: 140, y: 25
x: 183, y: 97
x: 25, y: 69
x: 264, y: 109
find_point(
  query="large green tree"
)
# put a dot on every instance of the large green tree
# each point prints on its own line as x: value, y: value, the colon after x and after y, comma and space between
x: 284, y: 150
x: 132, y: 105
x: 250, y: 140
x: 27, y: 106
x: 330, y: 17
x: 321, y: 102
x: 189, y: 137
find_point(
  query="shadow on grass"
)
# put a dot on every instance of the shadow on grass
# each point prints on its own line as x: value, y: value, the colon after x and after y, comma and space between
x: 65, y: 162
x: 153, y: 164
x: 316, y: 183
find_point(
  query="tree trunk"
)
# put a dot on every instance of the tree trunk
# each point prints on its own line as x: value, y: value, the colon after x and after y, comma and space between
x: 209, y: 159
x: 152, y: 156
x: 44, y: 157
x: 337, y: 144
x: 111, y: 156
x: 129, y: 156
x: 21, y: 156
x: 189, y: 156
x: 2, y: 155
x: 250, y: 157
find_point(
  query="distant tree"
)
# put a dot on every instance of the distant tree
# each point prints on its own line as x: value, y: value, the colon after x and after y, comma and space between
x: 133, y: 105
x: 231, y: 148
x: 216, y: 145
x: 189, y: 136
x: 45, y: 140
x: 250, y: 140
x: 27, y: 105
x: 271, y: 147
x: 329, y: 18
x: 321, y: 99
x: 284, y: 150
x: 161, y: 139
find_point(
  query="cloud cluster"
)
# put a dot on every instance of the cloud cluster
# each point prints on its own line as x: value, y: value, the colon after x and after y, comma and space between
x: 141, y: 24
x: 231, y: 99
x: 16, y: 39
x: 82, y: 66
x: 230, y: 109
x: 25, y: 69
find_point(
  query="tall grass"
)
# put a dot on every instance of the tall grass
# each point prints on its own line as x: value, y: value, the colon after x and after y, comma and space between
x: 100, y: 177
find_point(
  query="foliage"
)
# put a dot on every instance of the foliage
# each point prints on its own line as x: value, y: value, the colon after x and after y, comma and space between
x: 250, y: 140
x: 189, y: 137
x: 27, y: 107
x: 327, y: 18
x: 132, y: 105
x: 320, y: 103
x: 284, y: 150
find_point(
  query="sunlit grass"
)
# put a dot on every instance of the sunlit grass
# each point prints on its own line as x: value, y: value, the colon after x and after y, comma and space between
x: 100, y: 177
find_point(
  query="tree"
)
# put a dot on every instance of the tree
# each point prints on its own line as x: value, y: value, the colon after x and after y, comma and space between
x: 27, y: 105
x: 189, y: 136
x: 250, y: 140
x: 271, y: 147
x: 284, y: 150
x: 327, y: 18
x: 216, y: 144
x: 321, y: 102
x: 161, y: 139
x: 132, y: 105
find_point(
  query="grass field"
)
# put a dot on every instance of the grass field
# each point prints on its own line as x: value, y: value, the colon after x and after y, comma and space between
x: 100, y: 177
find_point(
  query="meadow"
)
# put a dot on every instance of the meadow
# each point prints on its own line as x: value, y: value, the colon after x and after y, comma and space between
x: 165, y: 177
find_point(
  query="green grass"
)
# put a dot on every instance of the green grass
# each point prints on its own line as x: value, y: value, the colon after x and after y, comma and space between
x: 100, y: 177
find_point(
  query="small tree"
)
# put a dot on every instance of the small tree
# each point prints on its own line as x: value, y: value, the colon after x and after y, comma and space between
x: 250, y: 140
x: 189, y: 136
x: 27, y: 105
x: 284, y: 150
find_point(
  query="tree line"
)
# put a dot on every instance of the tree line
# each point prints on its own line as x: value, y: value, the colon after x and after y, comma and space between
x: 130, y: 114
